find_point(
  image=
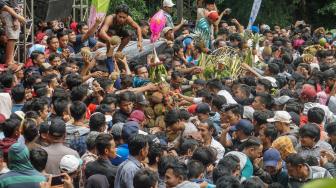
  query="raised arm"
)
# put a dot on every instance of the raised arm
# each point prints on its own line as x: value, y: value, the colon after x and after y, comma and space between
x: 133, y: 24
x: 92, y: 30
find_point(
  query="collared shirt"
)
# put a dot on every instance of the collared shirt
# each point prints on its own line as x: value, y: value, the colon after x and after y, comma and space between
x: 315, y: 150
x: 315, y: 172
x: 219, y: 148
x: 101, y: 166
x: 55, y: 153
x: 169, y: 22
x: 126, y: 172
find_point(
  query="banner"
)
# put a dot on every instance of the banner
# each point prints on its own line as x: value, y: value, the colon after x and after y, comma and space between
x: 98, y: 9
x: 254, y: 13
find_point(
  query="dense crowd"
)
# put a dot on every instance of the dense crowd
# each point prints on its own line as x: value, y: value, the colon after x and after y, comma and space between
x: 78, y: 113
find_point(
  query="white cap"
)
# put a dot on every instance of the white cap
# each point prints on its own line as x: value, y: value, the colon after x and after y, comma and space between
x: 166, y: 29
x: 168, y: 3
x: 70, y: 163
x: 281, y: 116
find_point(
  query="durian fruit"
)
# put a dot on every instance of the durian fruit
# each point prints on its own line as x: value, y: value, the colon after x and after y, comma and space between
x: 85, y: 51
x: 159, y: 109
x: 159, y: 122
x: 115, y: 40
x: 149, y: 112
x: 114, y: 75
x: 157, y: 97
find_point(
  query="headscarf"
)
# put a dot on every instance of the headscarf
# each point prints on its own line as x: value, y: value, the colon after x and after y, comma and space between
x: 97, y: 181
x: 284, y: 145
x: 18, y: 159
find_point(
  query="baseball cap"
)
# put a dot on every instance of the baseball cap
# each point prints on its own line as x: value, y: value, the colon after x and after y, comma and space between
x: 166, y: 29
x: 200, y: 82
x: 57, y: 128
x: 244, y: 125
x: 117, y: 129
x: 130, y: 129
x: 282, y: 100
x: 213, y: 15
x: 137, y: 115
x: 203, y: 108
x: 271, y: 157
x: 281, y: 116
x: 70, y: 163
x: 141, y: 99
x: 308, y: 91
x: 168, y: 3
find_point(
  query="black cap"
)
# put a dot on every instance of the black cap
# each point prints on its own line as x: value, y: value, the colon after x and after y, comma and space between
x: 141, y: 99
x: 203, y: 108
x: 200, y: 82
x: 57, y: 128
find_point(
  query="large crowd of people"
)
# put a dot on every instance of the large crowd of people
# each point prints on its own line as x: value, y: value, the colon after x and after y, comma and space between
x: 78, y: 113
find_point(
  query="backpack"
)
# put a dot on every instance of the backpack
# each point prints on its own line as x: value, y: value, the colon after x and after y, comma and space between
x: 76, y: 139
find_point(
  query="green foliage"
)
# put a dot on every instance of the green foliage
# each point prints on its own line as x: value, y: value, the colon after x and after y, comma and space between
x: 138, y: 8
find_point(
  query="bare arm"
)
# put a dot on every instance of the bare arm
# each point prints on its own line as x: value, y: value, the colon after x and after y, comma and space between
x: 14, y: 14
x: 133, y: 24
x: 103, y: 32
x: 92, y: 30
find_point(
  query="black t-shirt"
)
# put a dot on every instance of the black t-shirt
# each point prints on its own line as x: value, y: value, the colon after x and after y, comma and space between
x: 104, y: 167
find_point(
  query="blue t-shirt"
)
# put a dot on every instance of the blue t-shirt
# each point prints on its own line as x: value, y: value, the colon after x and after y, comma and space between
x: 78, y: 45
x: 122, y: 154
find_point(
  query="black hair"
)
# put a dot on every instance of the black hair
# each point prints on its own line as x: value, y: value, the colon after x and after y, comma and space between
x: 184, y: 115
x: 155, y: 150
x: 315, y: 115
x: 253, y: 182
x: 234, y: 108
x: 179, y: 169
x: 104, y: 108
x: 145, y: 178
x: 73, y: 80
x: 78, y: 110
x: 97, y: 121
x: 331, y: 128
x: 215, y: 84
x: 266, y: 99
x: 10, y: 126
x: 7, y: 79
x: 261, y: 117
x: 164, y: 162
x: 18, y: 93
x: 109, y: 99
x: 60, y: 106
x: 123, y: 8
x: 176, y: 74
x: 171, y: 117
x: 293, y: 107
x: 62, y: 34
x: 271, y: 132
x: 126, y: 96
x: 206, y: 155
x: 103, y: 142
x: 38, y: 158
x: 78, y: 93
x: 187, y: 144
x: 38, y: 104
x: 80, y: 25
x: 295, y: 159
x: 35, y: 54
x: 273, y: 68
x: 50, y: 38
x: 266, y: 83
x: 195, y: 169
x: 30, y: 131
x: 218, y: 101
x: 226, y: 167
x: 210, y: 125
x: 47, y: 78
x: 60, y: 93
x: 228, y: 182
x: 136, y: 144
x: 310, y: 130
x: 53, y: 56
x: 251, y: 142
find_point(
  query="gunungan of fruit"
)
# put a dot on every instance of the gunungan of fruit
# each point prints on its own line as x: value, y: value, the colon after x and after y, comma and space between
x: 115, y: 40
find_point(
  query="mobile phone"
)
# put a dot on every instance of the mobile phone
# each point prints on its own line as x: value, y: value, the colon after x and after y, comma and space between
x: 57, y: 180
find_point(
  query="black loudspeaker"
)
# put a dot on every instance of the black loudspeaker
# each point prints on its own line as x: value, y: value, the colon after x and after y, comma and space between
x: 49, y: 10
